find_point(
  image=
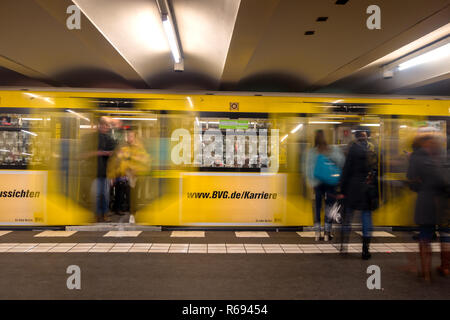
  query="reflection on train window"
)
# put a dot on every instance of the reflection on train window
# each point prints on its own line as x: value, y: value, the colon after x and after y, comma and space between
x: 24, y: 141
x: 233, y: 143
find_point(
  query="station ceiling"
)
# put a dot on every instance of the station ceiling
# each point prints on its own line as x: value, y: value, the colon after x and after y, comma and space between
x: 233, y: 45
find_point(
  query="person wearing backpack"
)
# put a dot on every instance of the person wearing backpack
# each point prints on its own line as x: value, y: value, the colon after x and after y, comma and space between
x: 323, y: 169
x: 359, y: 187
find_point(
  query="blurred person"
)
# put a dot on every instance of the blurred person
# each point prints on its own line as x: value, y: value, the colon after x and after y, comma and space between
x: 5, y: 121
x: 98, y: 147
x: 128, y: 161
x: 317, y: 173
x: 428, y: 176
x: 117, y: 130
x: 359, y: 188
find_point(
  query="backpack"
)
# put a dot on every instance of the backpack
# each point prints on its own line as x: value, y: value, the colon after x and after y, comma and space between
x: 326, y: 171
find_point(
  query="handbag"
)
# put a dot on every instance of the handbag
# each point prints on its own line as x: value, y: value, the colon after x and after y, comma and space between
x: 326, y: 171
x: 334, y: 214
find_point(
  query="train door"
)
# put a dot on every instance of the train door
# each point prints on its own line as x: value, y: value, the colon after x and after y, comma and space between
x: 339, y: 132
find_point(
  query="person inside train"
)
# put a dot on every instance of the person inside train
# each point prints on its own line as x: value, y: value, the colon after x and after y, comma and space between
x: 359, y: 188
x: 323, y: 167
x: 128, y: 161
x: 428, y: 176
x: 98, y: 147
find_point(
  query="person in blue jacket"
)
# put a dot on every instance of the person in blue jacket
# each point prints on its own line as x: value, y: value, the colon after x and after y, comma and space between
x: 322, y: 190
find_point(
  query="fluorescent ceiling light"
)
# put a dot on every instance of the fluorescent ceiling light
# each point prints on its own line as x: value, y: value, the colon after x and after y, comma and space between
x: 31, y: 119
x: 297, y: 128
x: 429, y: 56
x: 370, y: 124
x: 28, y: 132
x: 149, y: 119
x: 324, y: 122
x: 172, y: 38
x: 403, y: 126
x: 26, y: 154
x: 282, y: 139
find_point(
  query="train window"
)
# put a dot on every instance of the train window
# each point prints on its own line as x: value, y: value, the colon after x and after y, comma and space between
x: 24, y: 141
x: 243, y: 144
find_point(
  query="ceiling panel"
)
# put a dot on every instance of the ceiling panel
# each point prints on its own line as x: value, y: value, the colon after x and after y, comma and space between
x: 135, y: 29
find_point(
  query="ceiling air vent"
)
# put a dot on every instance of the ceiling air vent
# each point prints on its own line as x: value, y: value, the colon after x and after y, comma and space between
x: 309, y: 33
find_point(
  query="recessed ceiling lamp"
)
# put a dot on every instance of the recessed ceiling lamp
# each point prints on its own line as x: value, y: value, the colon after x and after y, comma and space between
x: 171, y: 34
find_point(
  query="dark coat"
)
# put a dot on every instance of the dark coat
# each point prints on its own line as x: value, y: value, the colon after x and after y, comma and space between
x: 360, y: 191
x: 428, y: 179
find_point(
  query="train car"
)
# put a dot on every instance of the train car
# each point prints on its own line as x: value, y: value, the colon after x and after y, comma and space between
x: 211, y: 159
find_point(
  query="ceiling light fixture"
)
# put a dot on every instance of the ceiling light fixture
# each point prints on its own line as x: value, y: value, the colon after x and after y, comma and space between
x: 324, y: 122
x: 435, y: 54
x: 171, y: 34
x: 142, y: 119
x: 297, y: 128
x: 437, y: 51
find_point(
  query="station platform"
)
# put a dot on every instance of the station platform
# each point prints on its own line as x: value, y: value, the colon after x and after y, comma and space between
x: 208, y: 265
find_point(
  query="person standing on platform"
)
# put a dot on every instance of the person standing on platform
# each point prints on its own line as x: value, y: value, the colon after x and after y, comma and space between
x: 322, y: 163
x: 359, y: 188
x: 98, y: 148
x: 428, y: 176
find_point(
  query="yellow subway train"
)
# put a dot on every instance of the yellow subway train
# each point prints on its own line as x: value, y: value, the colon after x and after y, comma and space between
x: 204, y: 159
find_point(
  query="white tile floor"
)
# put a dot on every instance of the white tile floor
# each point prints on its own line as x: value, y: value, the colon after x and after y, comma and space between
x: 203, y: 248
x: 122, y: 234
x: 51, y: 233
x: 188, y: 234
x: 307, y: 234
x: 251, y: 234
x: 379, y: 234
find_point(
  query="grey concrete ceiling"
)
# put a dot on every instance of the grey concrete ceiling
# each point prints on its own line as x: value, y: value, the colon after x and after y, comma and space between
x: 250, y: 45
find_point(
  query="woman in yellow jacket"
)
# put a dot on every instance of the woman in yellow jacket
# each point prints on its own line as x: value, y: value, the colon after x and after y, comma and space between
x: 127, y: 162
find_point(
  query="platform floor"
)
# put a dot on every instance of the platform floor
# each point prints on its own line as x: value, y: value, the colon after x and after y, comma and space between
x: 208, y: 265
